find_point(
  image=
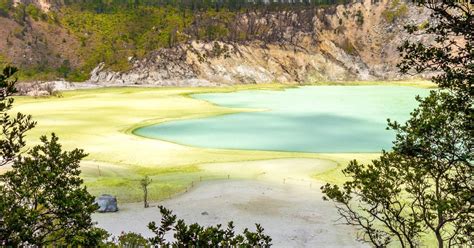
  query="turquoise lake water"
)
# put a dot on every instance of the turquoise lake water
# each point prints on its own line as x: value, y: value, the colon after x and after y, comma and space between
x: 304, y: 119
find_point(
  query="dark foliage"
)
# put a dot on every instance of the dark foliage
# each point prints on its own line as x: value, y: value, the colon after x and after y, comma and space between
x: 452, y: 25
x: 174, y: 232
x: 43, y: 200
x: 195, y: 235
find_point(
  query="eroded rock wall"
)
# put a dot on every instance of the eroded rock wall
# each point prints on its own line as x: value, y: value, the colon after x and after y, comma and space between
x: 354, y: 42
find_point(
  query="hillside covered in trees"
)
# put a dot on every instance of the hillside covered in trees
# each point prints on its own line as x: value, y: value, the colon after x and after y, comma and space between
x: 204, y: 42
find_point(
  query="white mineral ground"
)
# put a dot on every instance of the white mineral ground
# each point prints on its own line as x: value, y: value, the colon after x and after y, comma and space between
x: 281, y: 196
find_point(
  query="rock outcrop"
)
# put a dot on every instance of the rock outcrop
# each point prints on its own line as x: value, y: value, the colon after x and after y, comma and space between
x: 354, y: 42
x: 194, y: 65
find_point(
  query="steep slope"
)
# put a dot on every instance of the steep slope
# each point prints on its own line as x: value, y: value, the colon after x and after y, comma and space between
x: 358, y: 42
x: 346, y: 42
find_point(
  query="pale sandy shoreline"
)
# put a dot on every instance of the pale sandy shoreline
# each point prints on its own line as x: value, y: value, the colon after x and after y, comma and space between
x: 293, y: 215
x: 291, y: 211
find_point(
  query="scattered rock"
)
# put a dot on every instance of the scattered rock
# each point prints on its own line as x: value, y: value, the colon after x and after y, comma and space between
x: 107, y: 203
x: 204, y: 213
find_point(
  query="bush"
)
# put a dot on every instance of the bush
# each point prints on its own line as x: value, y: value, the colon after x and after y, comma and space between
x: 5, y: 7
x: 33, y: 11
x: 359, y: 18
x: 132, y: 240
x: 19, y: 14
x: 395, y: 11
x: 77, y: 75
x: 65, y: 68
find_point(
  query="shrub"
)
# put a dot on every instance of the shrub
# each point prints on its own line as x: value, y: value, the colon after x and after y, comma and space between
x: 132, y: 240
x: 5, y: 7
x: 359, y: 18
x: 33, y: 11
x: 65, y: 68
x: 395, y: 11
x: 77, y: 76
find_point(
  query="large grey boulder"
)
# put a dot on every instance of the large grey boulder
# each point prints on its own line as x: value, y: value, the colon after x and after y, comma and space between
x: 107, y: 203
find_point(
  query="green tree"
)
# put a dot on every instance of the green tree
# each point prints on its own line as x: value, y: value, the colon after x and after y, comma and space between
x: 425, y: 184
x: 42, y: 201
x: 144, y: 183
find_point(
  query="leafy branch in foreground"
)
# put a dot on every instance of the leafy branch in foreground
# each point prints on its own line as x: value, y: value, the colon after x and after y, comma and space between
x: 451, y: 23
x: 195, y: 235
x: 425, y: 185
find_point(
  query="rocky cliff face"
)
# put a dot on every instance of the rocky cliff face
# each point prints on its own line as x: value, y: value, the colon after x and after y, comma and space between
x: 196, y: 64
x: 357, y: 42
x: 352, y: 42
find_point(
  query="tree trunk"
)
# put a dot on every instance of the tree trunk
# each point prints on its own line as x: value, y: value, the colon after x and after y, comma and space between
x: 145, y: 197
x: 440, y: 240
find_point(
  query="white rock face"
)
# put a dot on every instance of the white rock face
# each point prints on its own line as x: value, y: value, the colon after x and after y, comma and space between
x: 245, y: 64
